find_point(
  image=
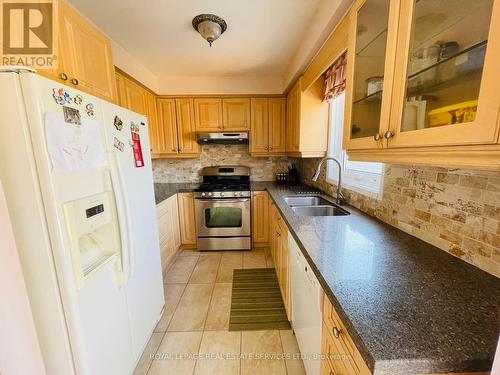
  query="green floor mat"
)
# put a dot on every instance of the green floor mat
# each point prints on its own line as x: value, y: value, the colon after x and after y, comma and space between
x: 256, y: 302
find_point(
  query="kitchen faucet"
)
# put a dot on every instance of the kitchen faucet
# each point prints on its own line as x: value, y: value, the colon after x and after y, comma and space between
x: 340, y: 197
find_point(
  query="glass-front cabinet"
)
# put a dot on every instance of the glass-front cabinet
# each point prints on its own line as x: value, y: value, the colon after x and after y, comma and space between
x: 370, y: 69
x: 421, y: 74
x: 447, y: 75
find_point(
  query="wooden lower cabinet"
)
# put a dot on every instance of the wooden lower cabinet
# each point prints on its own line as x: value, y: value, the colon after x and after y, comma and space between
x: 281, y: 258
x: 341, y: 357
x: 168, y: 230
x: 187, y: 220
x: 260, y: 218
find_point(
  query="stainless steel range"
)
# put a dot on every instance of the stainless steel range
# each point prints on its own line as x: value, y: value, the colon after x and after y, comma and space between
x: 222, y: 203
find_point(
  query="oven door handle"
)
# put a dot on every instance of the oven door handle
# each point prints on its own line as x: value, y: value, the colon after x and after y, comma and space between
x: 224, y: 200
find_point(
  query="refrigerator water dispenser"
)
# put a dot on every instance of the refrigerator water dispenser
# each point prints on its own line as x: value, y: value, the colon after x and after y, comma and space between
x: 94, y: 234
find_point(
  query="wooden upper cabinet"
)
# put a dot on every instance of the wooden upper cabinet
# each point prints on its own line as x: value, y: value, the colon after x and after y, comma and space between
x: 186, y: 126
x: 370, y: 68
x: 121, y: 96
x: 208, y: 114
x: 86, y: 55
x: 440, y: 100
x: 259, y: 137
x: 452, y: 96
x: 293, y: 119
x: 165, y: 138
x: 277, y: 126
x: 268, y: 127
x: 152, y: 115
x: 135, y: 97
x: 236, y: 113
x: 307, y: 121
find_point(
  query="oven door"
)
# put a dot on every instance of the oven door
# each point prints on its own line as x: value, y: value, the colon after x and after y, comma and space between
x: 223, y: 217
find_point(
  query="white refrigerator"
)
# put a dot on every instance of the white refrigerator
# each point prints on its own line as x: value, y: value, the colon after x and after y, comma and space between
x: 78, y: 182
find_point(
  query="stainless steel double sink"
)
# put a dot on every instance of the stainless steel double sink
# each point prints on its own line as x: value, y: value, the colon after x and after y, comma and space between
x: 314, y: 205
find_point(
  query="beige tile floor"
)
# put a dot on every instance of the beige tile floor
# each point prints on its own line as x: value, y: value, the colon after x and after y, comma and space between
x: 192, y: 336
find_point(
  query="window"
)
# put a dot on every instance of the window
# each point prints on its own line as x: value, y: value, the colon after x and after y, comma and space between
x: 363, y: 177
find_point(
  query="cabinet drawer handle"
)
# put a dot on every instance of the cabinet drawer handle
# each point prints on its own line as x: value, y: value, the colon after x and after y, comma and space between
x: 74, y: 81
x: 377, y: 137
x: 388, y: 134
x: 336, y: 332
x: 63, y: 76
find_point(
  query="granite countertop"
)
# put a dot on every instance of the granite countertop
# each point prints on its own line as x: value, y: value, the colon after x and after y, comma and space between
x: 164, y: 191
x: 409, y: 306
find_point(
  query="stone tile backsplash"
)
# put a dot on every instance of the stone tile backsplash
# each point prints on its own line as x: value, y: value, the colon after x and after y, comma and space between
x: 187, y: 170
x: 456, y: 210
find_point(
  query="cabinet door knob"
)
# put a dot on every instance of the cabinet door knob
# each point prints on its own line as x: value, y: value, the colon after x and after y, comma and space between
x: 270, y: 148
x: 74, y: 81
x: 63, y: 76
x: 377, y: 137
x: 173, y: 149
x: 388, y: 134
x: 336, y: 332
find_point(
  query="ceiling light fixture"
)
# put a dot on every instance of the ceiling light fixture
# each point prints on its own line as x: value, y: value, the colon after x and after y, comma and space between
x: 209, y: 26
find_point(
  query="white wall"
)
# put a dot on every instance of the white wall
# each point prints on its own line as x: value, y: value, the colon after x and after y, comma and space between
x: 126, y: 61
x: 220, y: 85
x: 129, y: 64
x: 326, y: 18
x: 19, y: 349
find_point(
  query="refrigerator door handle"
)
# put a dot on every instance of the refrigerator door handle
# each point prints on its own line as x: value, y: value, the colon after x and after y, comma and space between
x: 123, y: 218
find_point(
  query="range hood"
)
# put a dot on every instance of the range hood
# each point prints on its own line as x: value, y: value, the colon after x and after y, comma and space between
x: 222, y: 138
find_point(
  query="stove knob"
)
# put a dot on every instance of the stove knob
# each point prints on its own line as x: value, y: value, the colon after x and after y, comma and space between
x: 241, y: 193
x: 203, y: 194
x: 221, y: 194
x: 235, y: 194
x: 210, y: 194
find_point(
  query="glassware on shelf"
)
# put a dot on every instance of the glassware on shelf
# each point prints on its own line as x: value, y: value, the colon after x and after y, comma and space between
x: 446, y: 61
x: 422, y: 59
x: 414, y: 116
x: 374, y: 84
x: 447, y: 50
